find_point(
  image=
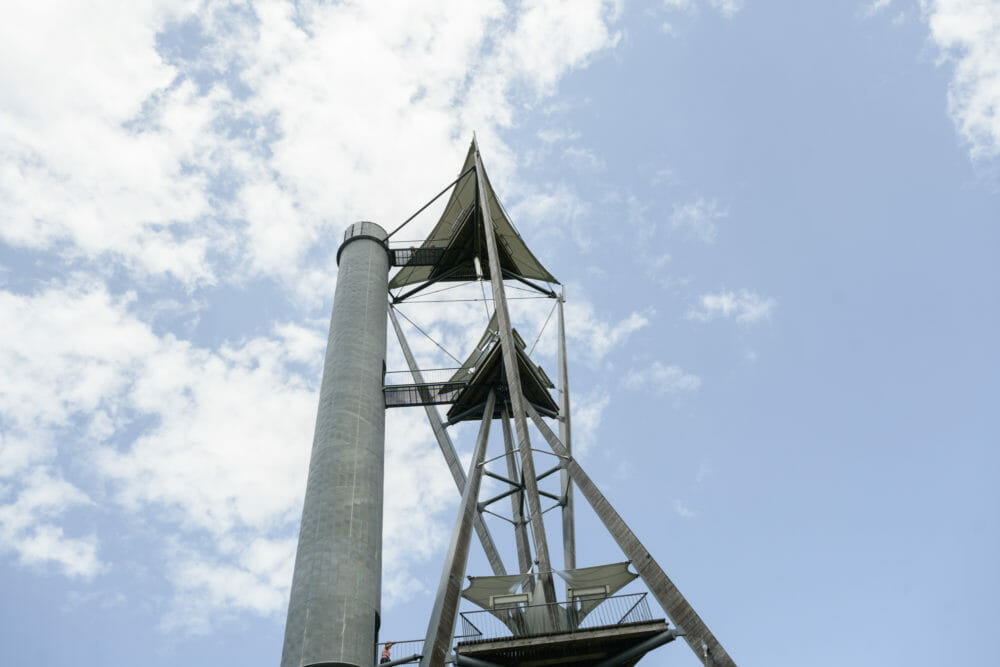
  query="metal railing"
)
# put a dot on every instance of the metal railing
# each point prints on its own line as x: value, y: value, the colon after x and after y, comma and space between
x: 409, y: 648
x: 400, y: 650
x: 578, y: 614
x: 430, y: 393
x: 416, y: 256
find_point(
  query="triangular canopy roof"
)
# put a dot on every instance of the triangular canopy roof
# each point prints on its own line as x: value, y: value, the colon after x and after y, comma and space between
x: 460, y: 233
x: 484, y: 370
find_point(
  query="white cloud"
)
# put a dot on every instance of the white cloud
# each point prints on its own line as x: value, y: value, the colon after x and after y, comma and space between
x: 413, y: 107
x: 74, y: 169
x: 728, y: 8
x: 587, y: 411
x: 305, y: 345
x: 29, y: 528
x: 682, y: 510
x: 968, y: 34
x: 251, y: 578
x: 553, y: 36
x: 595, y: 337
x: 214, y: 455
x: 664, y: 176
x: 875, y: 7
x: 64, y: 353
x: 668, y: 380
x: 583, y: 159
x: 705, y: 471
x: 698, y: 218
x: 173, y: 163
x: 555, y: 211
x: 225, y: 454
x: 420, y: 501
x: 555, y: 135
x: 744, y: 306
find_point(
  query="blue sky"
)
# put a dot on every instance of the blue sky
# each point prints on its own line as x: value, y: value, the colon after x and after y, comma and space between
x: 776, y: 222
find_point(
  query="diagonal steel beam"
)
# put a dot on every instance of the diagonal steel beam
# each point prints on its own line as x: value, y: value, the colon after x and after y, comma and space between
x: 534, y: 286
x: 515, y: 392
x: 425, y: 285
x: 436, y: 197
x: 448, y: 450
x: 441, y: 627
x: 698, y: 636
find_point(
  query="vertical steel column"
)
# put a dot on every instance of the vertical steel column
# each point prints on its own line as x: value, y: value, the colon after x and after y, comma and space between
x: 333, y: 612
x: 448, y: 451
x: 516, y: 499
x: 514, y: 389
x: 698, y: 636
x: 441, y: 627
x: 565, y: 435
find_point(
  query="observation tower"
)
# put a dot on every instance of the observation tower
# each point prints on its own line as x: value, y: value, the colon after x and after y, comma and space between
x: 532, y: 612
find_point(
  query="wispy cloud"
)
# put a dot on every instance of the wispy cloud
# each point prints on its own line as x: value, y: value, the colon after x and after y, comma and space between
x: 249, y: 577
x: 744, y: 306
x: 682, y: 510
x: 554, y: 135
x: 30, y: 523
x: 727, y: 8
x: 583, y: 159
x: 663, y: 379
x: 588, y: 409
x: 597, y: 336
x: 968, y: 34
x: 874, y: 7
x: 698, y: 218
x: 556, y: 209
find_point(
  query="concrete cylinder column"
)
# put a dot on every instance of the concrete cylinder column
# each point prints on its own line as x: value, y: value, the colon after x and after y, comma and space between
x: 333, y: 612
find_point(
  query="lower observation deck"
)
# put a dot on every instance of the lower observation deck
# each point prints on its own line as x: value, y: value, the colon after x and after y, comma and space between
x: 536, y: 636
x: 584, y: 648
x: 594, y: 631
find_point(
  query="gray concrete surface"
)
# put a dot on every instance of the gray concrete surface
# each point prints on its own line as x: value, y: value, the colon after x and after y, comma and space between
x: 333, y: 612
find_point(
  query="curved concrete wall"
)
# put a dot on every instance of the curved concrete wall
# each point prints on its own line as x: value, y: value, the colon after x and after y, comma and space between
x: 333, y: 612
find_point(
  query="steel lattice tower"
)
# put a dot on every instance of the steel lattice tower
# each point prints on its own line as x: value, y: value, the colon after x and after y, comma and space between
x: 333, y: 614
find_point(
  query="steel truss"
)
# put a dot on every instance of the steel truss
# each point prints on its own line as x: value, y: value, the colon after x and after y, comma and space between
x: 522, y: 479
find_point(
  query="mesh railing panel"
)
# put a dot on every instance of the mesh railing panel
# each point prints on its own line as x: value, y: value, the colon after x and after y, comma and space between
x: 416, y: 256
x: 527, y: 621
x: 432, y: 393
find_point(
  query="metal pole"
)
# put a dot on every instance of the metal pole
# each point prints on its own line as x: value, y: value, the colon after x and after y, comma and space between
x: 448, y: 450
x: 514, y: 389
x: 565, y: 435
x: 680, y: 611
x: 516, y: 501
x: 333, y: 611
x: 441, y: 626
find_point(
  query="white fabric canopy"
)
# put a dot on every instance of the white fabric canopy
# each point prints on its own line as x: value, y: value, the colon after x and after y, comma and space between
x: 483, y: 592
